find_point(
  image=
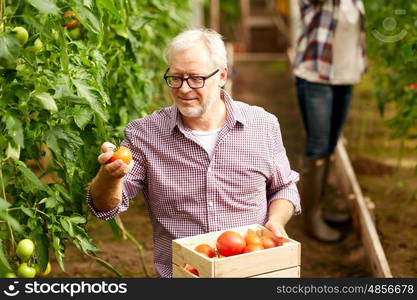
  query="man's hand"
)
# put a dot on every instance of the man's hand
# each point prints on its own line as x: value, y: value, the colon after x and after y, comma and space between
x: 106, y: 187
x: 116, y: 169
x: 280, y: 212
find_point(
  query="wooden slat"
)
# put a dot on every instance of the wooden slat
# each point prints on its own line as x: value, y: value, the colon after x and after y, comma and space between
x: 214, y: 15
x: 368, y: 233
x: 286, y: 273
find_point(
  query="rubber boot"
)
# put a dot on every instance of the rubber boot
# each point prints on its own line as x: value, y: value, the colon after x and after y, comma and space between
x: 311, y: 197
x: 337, y: 211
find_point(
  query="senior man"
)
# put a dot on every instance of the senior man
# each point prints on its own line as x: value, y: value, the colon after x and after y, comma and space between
x: 206, y: 163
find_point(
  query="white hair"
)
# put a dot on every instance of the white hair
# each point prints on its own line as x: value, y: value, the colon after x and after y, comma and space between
x: 212, y: 39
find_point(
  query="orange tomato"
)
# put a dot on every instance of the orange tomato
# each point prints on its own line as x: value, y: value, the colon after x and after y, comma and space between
x: 252, y: 238
x: 268, y: 242
x: 230, y: 243
x: 191, y: 269
x: 253, y: 247
x: 205, y: 249
x: 122, y: 153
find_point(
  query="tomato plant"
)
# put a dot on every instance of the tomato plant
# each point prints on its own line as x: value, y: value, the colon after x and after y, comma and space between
x: 205, y: 249
x: 122, y: 153
x: 391, y: 30
x: 230, y: 243
x: 59, y: 104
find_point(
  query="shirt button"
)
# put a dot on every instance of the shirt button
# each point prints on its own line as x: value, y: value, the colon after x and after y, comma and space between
x: 210, y: 203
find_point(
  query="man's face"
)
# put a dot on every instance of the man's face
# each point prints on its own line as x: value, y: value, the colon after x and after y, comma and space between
x: 195, y: 103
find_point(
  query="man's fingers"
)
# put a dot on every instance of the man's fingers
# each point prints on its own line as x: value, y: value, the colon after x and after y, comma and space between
x: 104, y: 157
x: 107, y: 146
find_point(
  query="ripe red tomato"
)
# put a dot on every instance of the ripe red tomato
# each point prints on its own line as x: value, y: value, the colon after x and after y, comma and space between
x: 205, y: 249
x: 191, y: 269
x: 71, y: 19
x: 122, y: 153
x: 253, y: 247
x: 268, y: 242
x: 230, y: 243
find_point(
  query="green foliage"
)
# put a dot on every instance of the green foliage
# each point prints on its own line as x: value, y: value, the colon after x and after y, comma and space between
x: 66, y: 96
x: 392, y: 48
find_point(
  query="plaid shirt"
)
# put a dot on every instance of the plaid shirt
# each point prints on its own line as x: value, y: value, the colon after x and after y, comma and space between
x: 319, y: 18
x: 187, y: 193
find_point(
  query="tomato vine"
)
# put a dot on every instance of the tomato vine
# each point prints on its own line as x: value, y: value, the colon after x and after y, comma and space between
x: 61, y: 96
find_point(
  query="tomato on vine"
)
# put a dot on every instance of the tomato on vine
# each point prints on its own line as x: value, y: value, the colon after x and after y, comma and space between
x: 71, y: 20
x: 21, y: 34
x: 25, y: 249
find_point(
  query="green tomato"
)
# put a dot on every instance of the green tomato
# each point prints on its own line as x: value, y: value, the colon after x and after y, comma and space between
x: 21, y: 34
x: 38, y: 46
x: 75, y: 33
x: 25, y: 271
x: 25, y: 249
x: 10, y: 275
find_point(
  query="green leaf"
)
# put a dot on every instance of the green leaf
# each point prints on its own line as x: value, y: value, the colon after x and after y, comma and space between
x: 66, y: 224
x: 87, y: 93
x: 88, y: 19
x: 82, y: 116
x: 9, y: 48
x: 13, y: 151
x: 56, y: 244
x: 30, y: 177
x: 42, y: 248
x: 46, y: 101
x: 45, y: 6
x: 27, y: 211
x: 15, y: 129
x: 4, y: 264
x: 4, y: 204
x: 77, y: 220
x: 108, y: 5
x: 12, y: 221
x: 115, y: 228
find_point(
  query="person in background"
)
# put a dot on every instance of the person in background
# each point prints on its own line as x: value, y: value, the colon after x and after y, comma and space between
x: 206, y: 163
x: 330, y: 58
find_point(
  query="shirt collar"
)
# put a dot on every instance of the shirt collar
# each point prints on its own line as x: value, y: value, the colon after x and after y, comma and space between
x: 234, y: 113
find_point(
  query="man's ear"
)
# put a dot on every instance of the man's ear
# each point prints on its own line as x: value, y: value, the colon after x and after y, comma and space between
x: 223, y: 76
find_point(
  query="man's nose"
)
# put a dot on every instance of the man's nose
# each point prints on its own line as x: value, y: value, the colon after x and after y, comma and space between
x: 185, y: 87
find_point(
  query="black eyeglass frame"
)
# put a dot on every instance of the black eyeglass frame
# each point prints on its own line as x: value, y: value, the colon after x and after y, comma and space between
x: 204, y: 78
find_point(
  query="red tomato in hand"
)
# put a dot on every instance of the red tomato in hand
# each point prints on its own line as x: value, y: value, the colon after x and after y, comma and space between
x: 230, y: 243
x: 205, y: 249
x: 122, y: 153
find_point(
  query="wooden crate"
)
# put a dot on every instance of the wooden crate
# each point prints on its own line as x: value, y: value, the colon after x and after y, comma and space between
x: 281, y: 261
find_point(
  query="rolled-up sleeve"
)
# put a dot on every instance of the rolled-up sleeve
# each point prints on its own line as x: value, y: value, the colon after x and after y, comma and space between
x: 283, y: 182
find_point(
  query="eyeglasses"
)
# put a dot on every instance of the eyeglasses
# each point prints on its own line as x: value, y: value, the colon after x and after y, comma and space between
x: 194, y: 82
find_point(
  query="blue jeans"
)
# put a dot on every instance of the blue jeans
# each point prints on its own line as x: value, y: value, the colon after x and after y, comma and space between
x: 324, y: 109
